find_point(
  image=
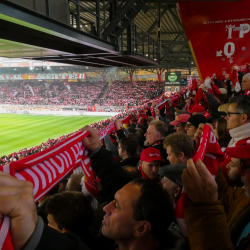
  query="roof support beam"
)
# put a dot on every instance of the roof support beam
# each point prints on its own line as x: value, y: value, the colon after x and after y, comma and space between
x: 156, y: 21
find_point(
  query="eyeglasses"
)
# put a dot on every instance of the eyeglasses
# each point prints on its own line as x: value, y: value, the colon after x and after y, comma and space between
x: 229, y: 114
x: 189, y: 125
x: 178, y: 126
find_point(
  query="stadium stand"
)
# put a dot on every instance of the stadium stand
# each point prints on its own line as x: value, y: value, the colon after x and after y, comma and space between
x: 80, y: 94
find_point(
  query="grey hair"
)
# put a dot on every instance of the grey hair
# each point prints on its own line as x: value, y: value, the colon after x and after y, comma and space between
x: 248, y: 74
x: 242, y: 104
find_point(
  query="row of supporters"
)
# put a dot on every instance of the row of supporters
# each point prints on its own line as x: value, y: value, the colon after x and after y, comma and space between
x: 119, y: 93
x: 173, y: 174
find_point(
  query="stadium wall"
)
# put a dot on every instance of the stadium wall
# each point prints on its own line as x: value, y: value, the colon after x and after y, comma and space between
x: 16, y: 109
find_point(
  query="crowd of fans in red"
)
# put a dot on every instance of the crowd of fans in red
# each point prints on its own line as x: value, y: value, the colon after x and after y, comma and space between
x: 157, y: 146
x: 80, y: 94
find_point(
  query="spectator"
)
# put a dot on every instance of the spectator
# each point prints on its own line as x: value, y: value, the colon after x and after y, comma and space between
x: 180, y: 122
x: 199, y: 110
x: 71, y: 212
x: 171, y: 180
x: 234, y: 174
x: 127, y: 148
x: 238, y: 119
x: 131, y: 219
x: 74, y: 183
x: 221, y: 133
x: 193, y: 124
x: 203, y: 190
x: 179, y: 148
x: 155, y: 135
x: 246, y: 84
x: 150, y: 162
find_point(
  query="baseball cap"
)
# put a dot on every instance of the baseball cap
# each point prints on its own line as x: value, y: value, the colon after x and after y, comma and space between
x: 173, y: 172
x: 197, y: 108
x: 179, y: 119
x: 195, y: 120
x: 240, y: 151
x: 150, y: 154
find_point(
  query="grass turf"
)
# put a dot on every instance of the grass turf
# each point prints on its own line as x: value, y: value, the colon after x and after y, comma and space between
x: 26, y: 131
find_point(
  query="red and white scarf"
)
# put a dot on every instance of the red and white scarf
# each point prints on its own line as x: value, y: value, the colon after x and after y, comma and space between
x: 209, y: 151
x: 45, y: 169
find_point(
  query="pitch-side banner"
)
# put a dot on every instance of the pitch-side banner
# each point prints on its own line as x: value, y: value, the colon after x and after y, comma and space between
x: 48, y: 76
x: 218, y: 33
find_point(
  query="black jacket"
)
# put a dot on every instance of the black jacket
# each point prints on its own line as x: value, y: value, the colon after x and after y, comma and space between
x: 131, y: 161
x: 160, y: 146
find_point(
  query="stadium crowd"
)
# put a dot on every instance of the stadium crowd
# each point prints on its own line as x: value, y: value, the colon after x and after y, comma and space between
x: 142, y: 169
x: 131, y: 94
x: 80, y: 94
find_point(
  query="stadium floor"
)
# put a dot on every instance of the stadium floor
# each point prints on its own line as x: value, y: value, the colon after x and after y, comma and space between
x: 26, y: 131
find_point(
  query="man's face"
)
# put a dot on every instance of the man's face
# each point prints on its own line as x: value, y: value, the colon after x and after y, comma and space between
x: 152, y: 135
x: 52, y: 223
x: 150, y: 169
x: 120, y: 150
x: 234, y: 120
x: 118, y: 223
x: 245, y: 83
x: 233, y: 168
x: 246, y: 175
x: 191, y: 130
x: 157, y: 112
x: 173, y: 159
x: 179, y: 128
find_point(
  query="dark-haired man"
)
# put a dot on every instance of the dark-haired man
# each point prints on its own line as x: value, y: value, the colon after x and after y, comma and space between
x: 71, y: 212
x: 127, y: 149
x: 139, y: 216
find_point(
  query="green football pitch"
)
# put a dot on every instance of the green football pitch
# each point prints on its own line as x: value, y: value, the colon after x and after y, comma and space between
x: 26, y: 131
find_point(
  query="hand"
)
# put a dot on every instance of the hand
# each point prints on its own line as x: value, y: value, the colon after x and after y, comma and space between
x: 199, y: 184
x: 118, y: 124
x: 17, y: 202
x: 212, y: 129
x: 92, y: 141
x: 153, y: 104
x: 203, y: 88
x: 198, y: 132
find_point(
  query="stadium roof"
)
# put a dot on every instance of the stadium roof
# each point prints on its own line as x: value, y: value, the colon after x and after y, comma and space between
x: 157, y: 39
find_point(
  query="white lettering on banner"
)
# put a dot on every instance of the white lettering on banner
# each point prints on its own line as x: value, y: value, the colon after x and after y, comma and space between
x: 232, y: 49
x: 60, y: 169
x: 35, y: 179
x: 41, y: 175
x: 51, y: 168
x: 70, y: 161
x: 65, y: 159
x: 46, y: 171
x: 74, y: 152
x: 212, y: 138
x: 244, y: 28
x: 87, y: 161
x: 85, y: 170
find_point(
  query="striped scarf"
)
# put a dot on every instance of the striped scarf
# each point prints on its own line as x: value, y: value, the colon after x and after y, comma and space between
x: 47, y: 168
